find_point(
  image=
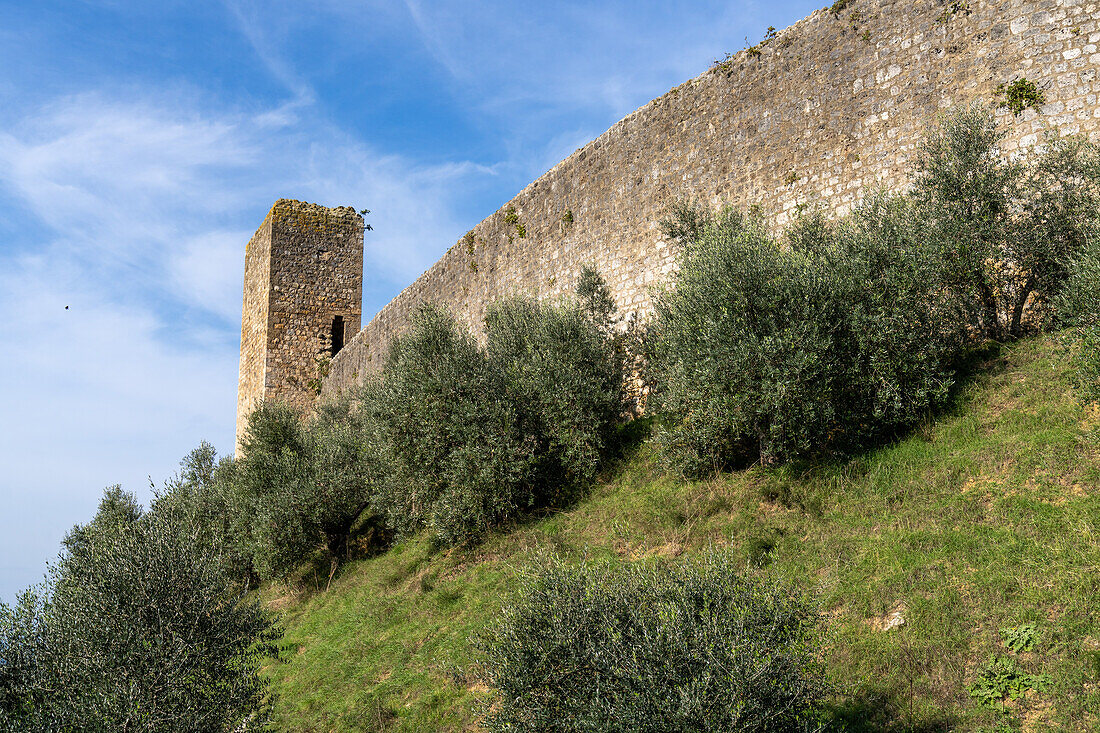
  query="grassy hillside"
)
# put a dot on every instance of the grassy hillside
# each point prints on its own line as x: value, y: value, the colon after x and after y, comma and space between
x: 985, y: 518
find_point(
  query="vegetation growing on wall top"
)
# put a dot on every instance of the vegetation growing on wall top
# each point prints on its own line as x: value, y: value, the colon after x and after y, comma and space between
x: 838, y: 6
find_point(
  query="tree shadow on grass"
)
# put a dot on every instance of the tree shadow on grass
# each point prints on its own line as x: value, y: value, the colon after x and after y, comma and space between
x: 628, y: 439
x: 974, y: 365
x: 877, y: 712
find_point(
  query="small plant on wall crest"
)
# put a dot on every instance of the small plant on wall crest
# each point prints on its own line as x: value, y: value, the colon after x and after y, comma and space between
x: 1020, y: 95
x: 724, y: 64
x: 838, y: 6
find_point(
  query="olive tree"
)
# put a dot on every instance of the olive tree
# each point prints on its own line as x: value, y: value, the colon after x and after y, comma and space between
x: 137, y: 628
x: 302, y: 486
x: 817, y: 345
x: 1005, y: 230
x: 458, y: 465
x: 649, y: 648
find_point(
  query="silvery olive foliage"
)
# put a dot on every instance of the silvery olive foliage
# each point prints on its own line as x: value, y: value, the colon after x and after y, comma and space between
x: 301, y: 486
x: 1078, y: 310
x: 451, y: 436
x: 1005, y: 230
x: 558, y: 364
x: 839, y: 334
x: 457, y: 464
x: 810, y: 346
x: 475, y: 435
x: 203, y: 497
x: 651, y: 648
x: 138, y: 627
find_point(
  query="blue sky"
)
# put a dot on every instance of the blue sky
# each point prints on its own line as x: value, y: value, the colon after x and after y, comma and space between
x: 141, y: 143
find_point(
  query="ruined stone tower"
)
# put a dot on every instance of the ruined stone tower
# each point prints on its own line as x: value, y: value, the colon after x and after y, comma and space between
x: 303, y: 294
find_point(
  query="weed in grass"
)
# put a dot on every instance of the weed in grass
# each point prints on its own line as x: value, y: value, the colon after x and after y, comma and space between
x: 1000, y: 679
x: 1092, y: 664
x: 1020, y: 638
x: 761, y: 547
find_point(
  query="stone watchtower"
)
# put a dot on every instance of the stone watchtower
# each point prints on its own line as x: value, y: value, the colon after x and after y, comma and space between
x: 303, y: 295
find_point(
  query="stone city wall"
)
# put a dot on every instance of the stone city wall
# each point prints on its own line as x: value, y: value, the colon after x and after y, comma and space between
x: 826, y: 110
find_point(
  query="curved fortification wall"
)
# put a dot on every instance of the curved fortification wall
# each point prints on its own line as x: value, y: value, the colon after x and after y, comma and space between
x: 827, y: 109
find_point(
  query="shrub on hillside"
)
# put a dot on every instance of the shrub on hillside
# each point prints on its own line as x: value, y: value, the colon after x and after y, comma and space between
x: 1078, y: 310
x: 137, y: 628
x: 905, y: 331
x: 1004, y: 230
x: 559, y: 367
x: 816, y: 346
x: 688, y: 647
x: 458, y: 466
x: 473, y: 437
x: 301, y: 486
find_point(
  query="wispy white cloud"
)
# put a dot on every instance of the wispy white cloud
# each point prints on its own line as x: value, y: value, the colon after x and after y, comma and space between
x: 534, y: 69
x: 570, y: 55
x: 434, y: 41
x: 164, y: 186
x: 253, y: 20
x: 207, y: 270
x: 116, y: 174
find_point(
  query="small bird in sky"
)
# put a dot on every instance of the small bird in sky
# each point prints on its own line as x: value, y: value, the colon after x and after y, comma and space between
x: 66, y: 307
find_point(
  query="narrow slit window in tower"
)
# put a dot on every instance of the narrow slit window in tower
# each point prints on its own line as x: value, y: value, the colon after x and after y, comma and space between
x: 337, y: 334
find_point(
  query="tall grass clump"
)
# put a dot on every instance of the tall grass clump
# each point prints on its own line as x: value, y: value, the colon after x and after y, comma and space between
x: 653, y: 647
x: 815, y: 345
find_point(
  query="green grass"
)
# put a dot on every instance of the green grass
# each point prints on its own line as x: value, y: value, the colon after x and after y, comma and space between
x: 984, y: 518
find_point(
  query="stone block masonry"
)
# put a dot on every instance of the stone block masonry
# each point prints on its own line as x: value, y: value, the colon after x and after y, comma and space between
x: 303, y: 295
x: 825, y: 111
